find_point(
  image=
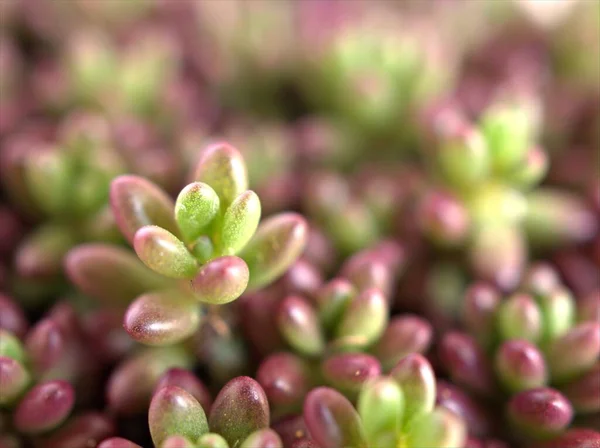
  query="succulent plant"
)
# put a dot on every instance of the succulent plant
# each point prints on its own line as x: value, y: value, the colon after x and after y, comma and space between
x: 190, y: 245
x: 427, y: 152
x: 484, y: 194
x: 239, y: 416
x: 519, y: 346
x: 395, y: 410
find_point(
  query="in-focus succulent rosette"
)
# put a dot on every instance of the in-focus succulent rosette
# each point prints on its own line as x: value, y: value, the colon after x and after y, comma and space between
x: 392, y: 411
x: 206, y: 247
x: 239, y: 417
x: 485, y: 195
x: 535, y: 349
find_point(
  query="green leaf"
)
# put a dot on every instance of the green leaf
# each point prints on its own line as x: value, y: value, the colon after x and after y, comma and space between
x: 239, y: 223
x: 223, y: 168
x: 164, y: 253
x: 195, y: 208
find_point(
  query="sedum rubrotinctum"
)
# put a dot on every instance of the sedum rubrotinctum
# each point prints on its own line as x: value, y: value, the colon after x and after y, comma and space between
x: 536, y: 349
x: 239, y: 417
x: 206, y: 247
x: 395, y: 411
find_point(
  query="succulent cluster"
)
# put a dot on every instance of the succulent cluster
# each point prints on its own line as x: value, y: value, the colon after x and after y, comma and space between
x: 299, y: 224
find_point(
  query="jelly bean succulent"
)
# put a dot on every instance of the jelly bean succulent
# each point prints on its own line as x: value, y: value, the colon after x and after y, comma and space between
x: 239, y: 416
x: 392, y: 411
x: 189, y: 248
x: 403, y: 253
x: 535, y: 348
x: 62, y: 184
x: 485, y: 194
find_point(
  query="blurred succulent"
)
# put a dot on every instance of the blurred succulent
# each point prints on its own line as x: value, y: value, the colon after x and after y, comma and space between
x: 44, y: 372
x: 66, y: 186
x: 392, y: 411
x: 520, y: 345
x: 239, y: 416
x: 371, y: 66
x: 484, y: 198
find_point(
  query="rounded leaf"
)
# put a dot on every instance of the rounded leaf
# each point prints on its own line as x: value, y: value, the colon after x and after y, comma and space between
x: 137, y: 202
x: 212, y: 440
x: 240, y: 409
x: 239, y: 223
x: 118, y: 442
x: 131, y: 383
x: 162, y: 318
x: 416, y: 378
x: 299, y: 325
x: 189, y: 382
x: 575, y: 352
x: 347, y: 372
x: 223, y: 168
x: 285, y: 380
x: 364, y: 321
x: 14, y: 379
x: 381, y: 406
x: 519, y: 317
x: 520, y: 365
x: 466, y: 363
x: 264, y: 438
x: 195, y: 208
x: 221, y: 280
x: 441, y: 429
x: 86, y: 429
x: 164, y: 253
x: 403, y: 335
x: 44, y: 407
x: 111, y: 274
x: 332, y: 420
x: 173, y: 411
x: 540, y: 412
x: 277, y: 244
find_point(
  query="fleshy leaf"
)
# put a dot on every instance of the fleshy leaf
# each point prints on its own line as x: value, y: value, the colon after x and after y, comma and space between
x: 347, y: 372
x: 240, y: 409
x: 364, y: 321
x: 239, y: 223
x: 332, y: 420
x: 264, y: 438
x: 14, y: 378
x: 277, y: 244
x: 195, y: 208
x: 299, y: 325
x: 403, y: 335
x: 44, y: 407
x: 130, y: 386
x: 223, y: 168
x: 540, y: 412
x: 137, y: 202
x: 574, y: 352
x: 212, y: 440
x: 416, y: 378
x: 380, y: 406
x: 173, y: 411
x: 440, y: 428
x: 162, y: 318
x: 164, y: 253
x: 520, y: 365
x: 221, y: 280
x: 519, y: 317
x: 111, y: 274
